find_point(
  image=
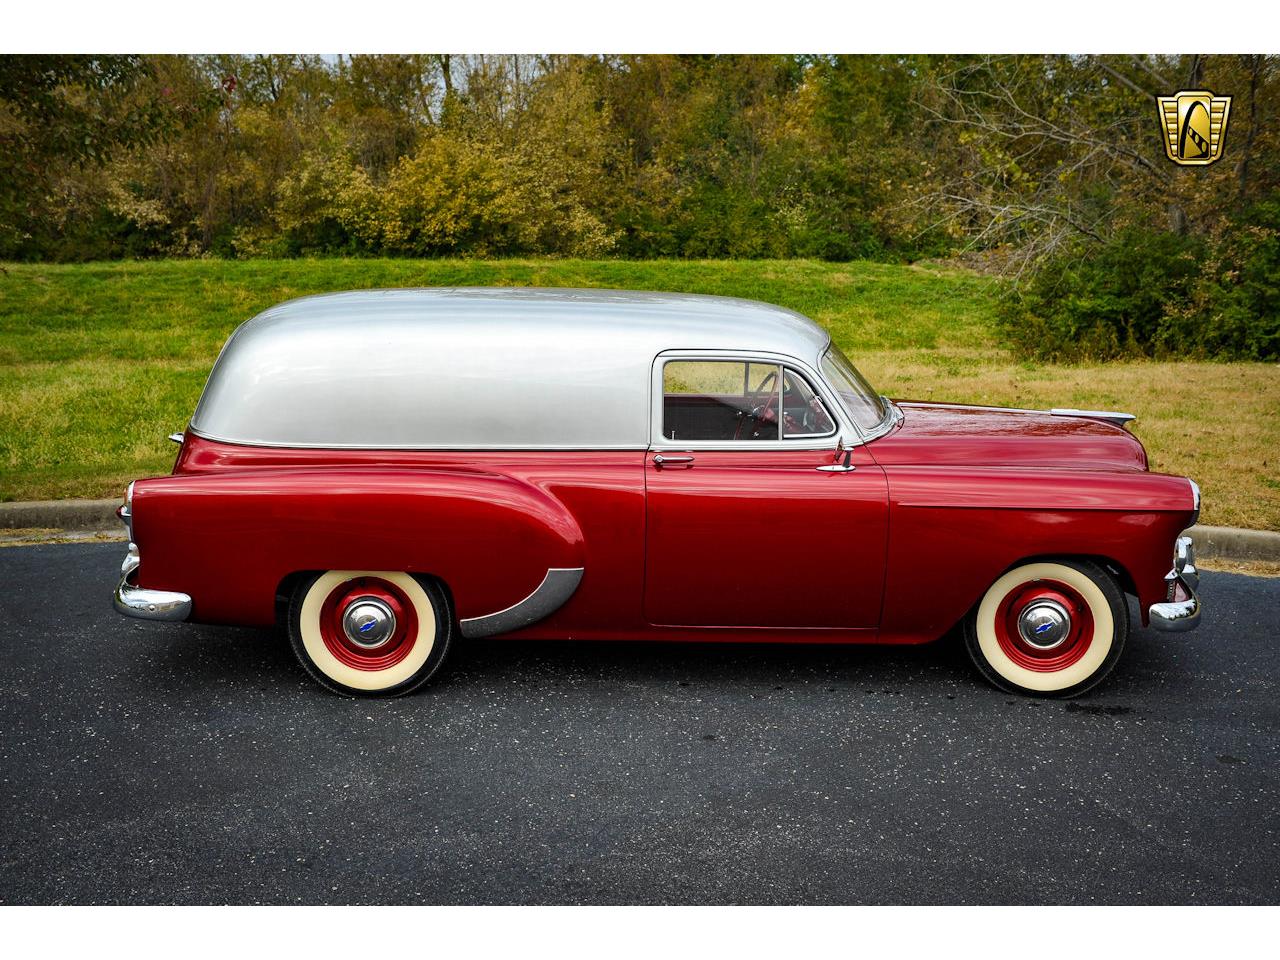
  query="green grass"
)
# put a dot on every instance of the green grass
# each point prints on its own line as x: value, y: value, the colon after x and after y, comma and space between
x: 99, y: 362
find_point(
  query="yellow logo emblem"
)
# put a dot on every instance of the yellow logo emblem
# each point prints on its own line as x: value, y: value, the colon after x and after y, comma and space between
x: 1194, y: 123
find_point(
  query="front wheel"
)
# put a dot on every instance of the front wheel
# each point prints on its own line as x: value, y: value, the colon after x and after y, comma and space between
x: 370, y: 633
x: 1049, y: 629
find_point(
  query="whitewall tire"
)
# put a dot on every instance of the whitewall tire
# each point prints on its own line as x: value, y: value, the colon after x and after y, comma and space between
x: 370, y: 632
x: 1049, y: 628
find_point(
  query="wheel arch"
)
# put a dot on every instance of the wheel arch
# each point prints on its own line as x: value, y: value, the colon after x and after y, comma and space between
x: 1114, y: 567
x: 289, y: 583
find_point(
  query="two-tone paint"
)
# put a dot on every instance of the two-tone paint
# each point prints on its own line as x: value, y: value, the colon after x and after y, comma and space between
x: 507, y: 443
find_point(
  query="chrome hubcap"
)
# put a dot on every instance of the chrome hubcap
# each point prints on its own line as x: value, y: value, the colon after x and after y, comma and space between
x: 1045, y: 624
x: 368, y: 622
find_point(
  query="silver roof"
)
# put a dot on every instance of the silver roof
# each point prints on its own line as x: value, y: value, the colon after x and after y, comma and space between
x: 459, y: 368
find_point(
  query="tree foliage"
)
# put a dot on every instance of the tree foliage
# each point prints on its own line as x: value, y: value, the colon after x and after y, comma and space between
x: 1048, y: 169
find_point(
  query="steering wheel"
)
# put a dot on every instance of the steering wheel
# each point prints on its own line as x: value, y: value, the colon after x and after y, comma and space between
x: 760, y: 413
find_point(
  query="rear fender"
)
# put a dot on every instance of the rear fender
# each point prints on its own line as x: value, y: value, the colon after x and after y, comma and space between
x: 229, y: 539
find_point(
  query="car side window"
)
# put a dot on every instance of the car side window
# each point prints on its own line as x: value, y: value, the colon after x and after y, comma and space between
x: 803, y: 412
x: 732, y: 400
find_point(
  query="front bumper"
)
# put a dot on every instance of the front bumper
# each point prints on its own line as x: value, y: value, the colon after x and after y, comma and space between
x: 135, y: 601
x: 1180, y: 610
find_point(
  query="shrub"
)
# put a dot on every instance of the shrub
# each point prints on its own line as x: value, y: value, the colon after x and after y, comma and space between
x: 1107, y: 301
x: 323, y: 206
x: 1155, y: 293
x: 1235, y: 306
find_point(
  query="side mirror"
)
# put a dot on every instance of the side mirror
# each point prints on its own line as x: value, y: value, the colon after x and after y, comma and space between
x: 843, y: 461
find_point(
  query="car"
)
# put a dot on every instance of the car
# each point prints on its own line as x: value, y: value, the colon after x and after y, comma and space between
x: 386, y: 473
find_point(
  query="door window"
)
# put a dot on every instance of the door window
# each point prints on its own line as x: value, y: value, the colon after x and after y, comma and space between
x: 721, y: 400
x: 803, y: 413
x: 740, y: 400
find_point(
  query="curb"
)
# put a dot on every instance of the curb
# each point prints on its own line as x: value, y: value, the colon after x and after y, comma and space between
x: 77, y: 515
x: 95, y: 516
x: 1232, y: 543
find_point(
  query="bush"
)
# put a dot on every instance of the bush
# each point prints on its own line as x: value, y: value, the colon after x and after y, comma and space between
x: 479, y: 198
x: 1154, y: 293
x: 1234, y: 312
x: 1108, y: 301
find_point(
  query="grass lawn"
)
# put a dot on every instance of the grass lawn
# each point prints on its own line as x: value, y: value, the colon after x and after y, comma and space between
x: 99, y: 362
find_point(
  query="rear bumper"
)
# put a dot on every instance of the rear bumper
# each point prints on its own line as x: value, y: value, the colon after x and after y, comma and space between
x: 1180, y: 610
x: 134, y: 601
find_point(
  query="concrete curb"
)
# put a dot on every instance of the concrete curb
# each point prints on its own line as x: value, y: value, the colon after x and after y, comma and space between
x: 93, y: 516
x: 61, y: 515
x: 1232, y: 543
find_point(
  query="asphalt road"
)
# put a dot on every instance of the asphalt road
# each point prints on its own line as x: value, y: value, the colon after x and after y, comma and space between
x: 155, y: 763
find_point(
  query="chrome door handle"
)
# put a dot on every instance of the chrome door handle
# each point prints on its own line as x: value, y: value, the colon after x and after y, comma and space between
x: 660, y: 461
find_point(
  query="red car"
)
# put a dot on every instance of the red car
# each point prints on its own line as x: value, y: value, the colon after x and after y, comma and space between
x: 387, y: 472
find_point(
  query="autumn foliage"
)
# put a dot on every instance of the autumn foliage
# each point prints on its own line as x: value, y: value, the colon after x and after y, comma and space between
x: 1045, y: 170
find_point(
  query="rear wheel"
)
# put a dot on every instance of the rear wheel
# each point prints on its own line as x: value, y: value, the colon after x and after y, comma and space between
x: 1049, y: 629
x: 370, y: 633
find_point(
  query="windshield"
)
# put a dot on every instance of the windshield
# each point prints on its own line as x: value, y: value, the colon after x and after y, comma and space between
x: 863, y: 404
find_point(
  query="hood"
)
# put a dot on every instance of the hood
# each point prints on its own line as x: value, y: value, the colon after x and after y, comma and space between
x: 952, y: 434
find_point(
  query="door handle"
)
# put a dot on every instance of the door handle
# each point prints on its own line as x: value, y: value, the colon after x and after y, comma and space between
x: 660, y: 461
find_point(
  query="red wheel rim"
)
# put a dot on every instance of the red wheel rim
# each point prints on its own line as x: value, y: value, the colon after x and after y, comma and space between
x: 1038, y: 594
x: 387, y: 653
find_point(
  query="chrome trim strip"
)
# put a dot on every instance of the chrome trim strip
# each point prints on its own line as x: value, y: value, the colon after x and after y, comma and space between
x: 440, y: 447
x: 177, y: 438
x: 549, y: 596
x: 673, y: 446
x: 1195, y: 500
x: 135, y: 601
x: 1111, y: 416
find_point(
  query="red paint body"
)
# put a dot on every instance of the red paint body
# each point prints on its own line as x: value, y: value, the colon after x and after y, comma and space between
x: 744, y: 545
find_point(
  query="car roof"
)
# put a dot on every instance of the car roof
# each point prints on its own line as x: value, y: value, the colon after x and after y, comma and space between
x: 472, y: 367
x: 751, y: 324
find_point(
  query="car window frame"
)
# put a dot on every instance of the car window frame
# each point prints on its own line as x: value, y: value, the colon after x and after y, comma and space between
x: 782, y: 426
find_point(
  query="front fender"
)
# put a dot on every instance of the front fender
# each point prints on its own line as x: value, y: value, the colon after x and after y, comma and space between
x: 954, y: 531
x: 228, y: 539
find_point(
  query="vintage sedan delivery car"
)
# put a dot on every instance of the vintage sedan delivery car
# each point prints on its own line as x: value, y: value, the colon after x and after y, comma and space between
x: 388, y: 472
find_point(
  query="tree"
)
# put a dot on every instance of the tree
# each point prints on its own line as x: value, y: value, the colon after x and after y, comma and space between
x: 63, y: 115
x: 1047, y: 152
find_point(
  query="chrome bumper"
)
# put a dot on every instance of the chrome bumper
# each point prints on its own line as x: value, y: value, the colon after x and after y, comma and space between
x: 1180, y: 610
x: 135, y: 601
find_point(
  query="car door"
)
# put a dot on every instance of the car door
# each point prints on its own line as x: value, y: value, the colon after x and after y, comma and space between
x: 762, y: 510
